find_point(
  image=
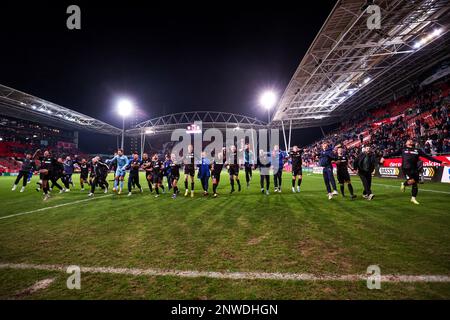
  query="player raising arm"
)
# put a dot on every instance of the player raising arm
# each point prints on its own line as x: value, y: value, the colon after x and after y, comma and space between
x: 28, y: 165
x: 410, y: 159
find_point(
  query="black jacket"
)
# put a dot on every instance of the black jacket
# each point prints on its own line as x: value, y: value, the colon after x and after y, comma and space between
x: 365, y: 162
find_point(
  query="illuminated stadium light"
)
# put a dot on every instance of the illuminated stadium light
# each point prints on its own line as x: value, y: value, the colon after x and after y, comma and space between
x: 268, y: 100
x: 1, y: 139
x: 435, y: 34
x: 194, y: 128
x: 351, y: 91
x: 149, y: 131
x: 124, y: 107
x: 418, y: 44
x: 33, y: 107
x: 366, y: 80
x: 49, y: 111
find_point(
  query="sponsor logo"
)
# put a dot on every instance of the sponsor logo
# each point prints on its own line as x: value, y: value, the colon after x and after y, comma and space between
x: 389, y: 171
x: 429, y: 172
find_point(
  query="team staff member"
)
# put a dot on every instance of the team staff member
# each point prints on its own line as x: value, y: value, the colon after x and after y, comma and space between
x: 204, y: 173
x: 296, y: 157
x: 28, y: 165
x: 365, y: 164
x: 343, y: 175
x: 326, y: 157
x: 133, y: 178
x: 189, y: 170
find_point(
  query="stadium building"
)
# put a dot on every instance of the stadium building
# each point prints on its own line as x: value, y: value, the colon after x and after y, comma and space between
x: 366, y: 84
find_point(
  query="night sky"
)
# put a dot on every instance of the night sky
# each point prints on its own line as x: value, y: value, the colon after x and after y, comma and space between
x: 167, y: 56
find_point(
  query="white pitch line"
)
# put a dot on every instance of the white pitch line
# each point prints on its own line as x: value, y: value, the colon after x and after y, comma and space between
x: 40, y: 285
x: 53, y: 207
x: 232, y: 275
x: 397, y: 187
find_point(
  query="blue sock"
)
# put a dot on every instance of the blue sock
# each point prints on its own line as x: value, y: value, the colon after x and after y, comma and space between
x: 115, y: 184
x: 121, y: 184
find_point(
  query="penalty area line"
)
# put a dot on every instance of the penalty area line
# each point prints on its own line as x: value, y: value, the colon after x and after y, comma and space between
x: 396, y: 278
x: 53, y: 207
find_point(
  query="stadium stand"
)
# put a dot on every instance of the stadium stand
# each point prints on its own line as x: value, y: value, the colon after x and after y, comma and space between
x: 20, y: 136
x: 421, y: 115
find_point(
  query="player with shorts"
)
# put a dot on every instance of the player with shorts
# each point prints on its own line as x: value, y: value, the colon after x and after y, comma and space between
x: 343, y: 175
x: 216, y: 171
x: 233, y: 168
x: 174, y: 174
x: 158, y: 168
x: 122, y: 163
x: 296, y: 158
x: 189, y: 170
x: 146, y: 164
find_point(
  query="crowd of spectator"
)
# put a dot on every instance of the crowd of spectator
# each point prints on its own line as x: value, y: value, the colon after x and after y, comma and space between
x: 422, y: 115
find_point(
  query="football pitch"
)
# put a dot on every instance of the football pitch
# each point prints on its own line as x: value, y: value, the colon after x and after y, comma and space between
x: 244, y: 245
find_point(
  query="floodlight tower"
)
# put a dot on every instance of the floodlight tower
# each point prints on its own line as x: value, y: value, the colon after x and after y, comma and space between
x: 124, y: 109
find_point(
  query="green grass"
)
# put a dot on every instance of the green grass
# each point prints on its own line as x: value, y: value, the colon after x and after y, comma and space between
x: 245, y: 231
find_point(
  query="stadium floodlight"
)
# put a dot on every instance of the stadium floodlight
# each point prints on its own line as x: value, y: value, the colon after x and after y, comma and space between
x: 437, y: 32
x: 149, y: 131
x: 124, y: 108
x: 268, y: 100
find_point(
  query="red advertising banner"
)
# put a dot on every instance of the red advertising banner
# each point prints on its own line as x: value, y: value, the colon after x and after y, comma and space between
x: 66, y: 145
x: 397, y: 162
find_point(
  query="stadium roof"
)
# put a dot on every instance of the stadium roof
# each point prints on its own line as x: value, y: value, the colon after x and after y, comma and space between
x: 21, y: 105
x: 210, y: 119
x: 349, y: 67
